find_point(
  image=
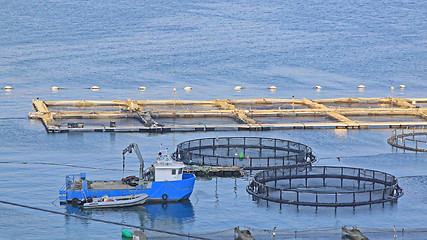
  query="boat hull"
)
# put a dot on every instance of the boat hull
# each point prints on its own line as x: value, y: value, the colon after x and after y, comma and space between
x: 163, y: 191
x: 115, y: 202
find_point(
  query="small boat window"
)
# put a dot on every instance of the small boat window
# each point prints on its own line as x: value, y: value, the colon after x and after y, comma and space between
x: 173, y: 171
x: 180, y: 171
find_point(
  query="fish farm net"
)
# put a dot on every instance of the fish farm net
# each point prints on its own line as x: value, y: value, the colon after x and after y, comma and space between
x: 414, y: 139
x: 250, y: 153
x: 324, y: 186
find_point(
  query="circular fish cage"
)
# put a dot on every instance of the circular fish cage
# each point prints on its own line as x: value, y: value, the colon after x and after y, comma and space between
x: 409, y: 139
x: 250, y: 153
x: 324, y: 186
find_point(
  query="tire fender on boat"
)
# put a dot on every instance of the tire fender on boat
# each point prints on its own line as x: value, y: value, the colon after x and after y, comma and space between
x: 75, y: 202
x: 165, y: 197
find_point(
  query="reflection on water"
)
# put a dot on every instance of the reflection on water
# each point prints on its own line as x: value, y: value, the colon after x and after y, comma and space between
x: 170, y: 215
x: 166, y: 216
x: 340, y: 133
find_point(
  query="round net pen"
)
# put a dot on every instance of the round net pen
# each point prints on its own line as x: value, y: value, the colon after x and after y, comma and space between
x: 250, y: 153
x: 325, y: 186
x: 409, y: 139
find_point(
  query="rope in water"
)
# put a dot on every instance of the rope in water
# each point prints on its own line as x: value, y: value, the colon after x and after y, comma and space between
x: 100, y: 220
x: 67, y: 165
x: 113, y: 169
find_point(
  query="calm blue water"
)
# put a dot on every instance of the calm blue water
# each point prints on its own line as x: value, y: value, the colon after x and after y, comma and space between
x: 211, y: 46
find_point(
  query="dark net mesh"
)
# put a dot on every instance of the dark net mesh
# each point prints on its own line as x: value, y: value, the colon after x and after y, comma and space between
x: 245, y: 152
x: 324, y: 186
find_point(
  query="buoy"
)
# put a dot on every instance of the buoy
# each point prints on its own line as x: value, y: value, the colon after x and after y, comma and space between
x: 55, y: 88
x: 243, y: 234
x: 238, y: 88
x: 318, y: 87
x: 142, y: 88
x: 94, y: 88
x: 127, y: 233
x: 361, y: 86
x: 188, y: 88
x: 139, y: 234
x: 272, y: 88
x: 8, y: 88
x: 353, y: 233
x: 402, y: 86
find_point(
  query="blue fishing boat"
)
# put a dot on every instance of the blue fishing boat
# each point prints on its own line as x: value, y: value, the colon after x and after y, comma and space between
x: 164, y: 181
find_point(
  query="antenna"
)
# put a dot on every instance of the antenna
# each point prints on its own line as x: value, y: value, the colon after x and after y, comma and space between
x: 174, y: 97
x: 159, y: 155
x: 123, y: 165
x: 174, y: 101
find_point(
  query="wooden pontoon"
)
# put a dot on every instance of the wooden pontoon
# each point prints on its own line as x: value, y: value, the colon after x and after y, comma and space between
x: 243, y: 114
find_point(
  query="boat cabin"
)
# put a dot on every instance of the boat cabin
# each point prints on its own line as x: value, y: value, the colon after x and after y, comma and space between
x: 167, y: 170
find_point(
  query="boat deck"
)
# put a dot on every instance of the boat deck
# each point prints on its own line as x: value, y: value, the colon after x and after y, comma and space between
x: 113, y: 185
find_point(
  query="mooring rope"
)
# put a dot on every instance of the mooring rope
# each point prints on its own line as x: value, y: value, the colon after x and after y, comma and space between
x: 413, y: 176
x: 66, y: 165
x: 12, y: 118
x: 178, y: 188
x: 103, y: 221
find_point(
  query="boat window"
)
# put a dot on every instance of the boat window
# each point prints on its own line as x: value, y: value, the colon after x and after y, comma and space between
x: 173, y: 171
x: 180, y: 171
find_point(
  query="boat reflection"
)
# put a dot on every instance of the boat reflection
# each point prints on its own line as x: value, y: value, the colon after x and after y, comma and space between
x: 166, y: 216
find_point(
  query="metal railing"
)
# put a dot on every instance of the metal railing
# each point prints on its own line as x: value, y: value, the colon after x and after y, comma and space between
x: 407, y: 139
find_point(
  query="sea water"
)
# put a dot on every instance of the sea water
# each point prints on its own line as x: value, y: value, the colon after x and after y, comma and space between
x: 211, y: 46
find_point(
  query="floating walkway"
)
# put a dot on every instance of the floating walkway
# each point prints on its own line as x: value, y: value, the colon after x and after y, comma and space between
x: 214, y: 171
x: 163, y: 116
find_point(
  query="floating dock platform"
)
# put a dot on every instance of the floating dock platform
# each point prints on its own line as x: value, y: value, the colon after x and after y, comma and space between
x: 211, y: 171
x: 163, y: 116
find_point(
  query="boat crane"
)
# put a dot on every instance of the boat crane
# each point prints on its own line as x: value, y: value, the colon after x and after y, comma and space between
x: 128, y: 149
